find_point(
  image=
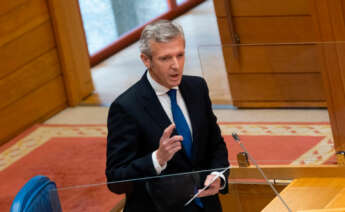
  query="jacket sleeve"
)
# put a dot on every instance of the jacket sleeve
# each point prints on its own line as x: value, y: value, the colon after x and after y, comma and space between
x: 217, y: 150
x: 123, y: 160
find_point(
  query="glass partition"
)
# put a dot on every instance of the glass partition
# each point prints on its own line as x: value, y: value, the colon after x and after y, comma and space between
x: 286, y: 77
x: 269, y: 75
x: 257, y: 186
x: 167, y: 192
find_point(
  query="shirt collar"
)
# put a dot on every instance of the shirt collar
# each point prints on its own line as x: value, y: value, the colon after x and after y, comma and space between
x: 158, y: 88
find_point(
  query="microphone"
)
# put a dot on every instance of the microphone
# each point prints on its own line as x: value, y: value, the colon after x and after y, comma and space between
x: 237, y: 139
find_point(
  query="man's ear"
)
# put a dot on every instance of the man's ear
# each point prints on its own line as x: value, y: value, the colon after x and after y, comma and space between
x: 146, y: 60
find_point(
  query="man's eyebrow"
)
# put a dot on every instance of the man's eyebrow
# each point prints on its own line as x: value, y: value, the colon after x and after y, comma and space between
x: 162, y: 56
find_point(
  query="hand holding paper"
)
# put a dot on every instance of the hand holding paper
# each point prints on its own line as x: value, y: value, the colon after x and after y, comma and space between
x: 212, y: 186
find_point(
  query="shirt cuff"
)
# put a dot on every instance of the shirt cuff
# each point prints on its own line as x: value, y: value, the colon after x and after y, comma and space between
x: 158, y: 167
x: 223, y: 183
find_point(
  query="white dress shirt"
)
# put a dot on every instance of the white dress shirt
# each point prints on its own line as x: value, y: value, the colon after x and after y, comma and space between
x: 164, y: 99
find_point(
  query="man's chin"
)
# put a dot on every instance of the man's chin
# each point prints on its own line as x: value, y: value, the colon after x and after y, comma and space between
x: 175, y: 83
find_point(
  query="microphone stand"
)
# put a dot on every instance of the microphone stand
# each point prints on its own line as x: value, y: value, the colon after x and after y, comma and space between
x: 237, y: 139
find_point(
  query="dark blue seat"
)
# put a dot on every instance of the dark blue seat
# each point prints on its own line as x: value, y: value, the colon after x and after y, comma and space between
x: 38, y: 194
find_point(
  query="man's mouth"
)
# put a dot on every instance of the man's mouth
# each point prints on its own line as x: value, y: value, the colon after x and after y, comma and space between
x: 174, y: 76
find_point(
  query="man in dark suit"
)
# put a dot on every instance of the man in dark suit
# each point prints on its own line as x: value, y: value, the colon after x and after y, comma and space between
x: 164, y: 124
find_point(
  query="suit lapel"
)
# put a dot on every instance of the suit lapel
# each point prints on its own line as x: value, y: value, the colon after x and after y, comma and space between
x: 152, y: 105
x: 192, y: 108
x: 154, y: 108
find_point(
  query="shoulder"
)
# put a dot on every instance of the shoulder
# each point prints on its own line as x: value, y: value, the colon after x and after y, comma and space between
x: 130, y: 94
x: 127, y: 98
x: 193, y: 80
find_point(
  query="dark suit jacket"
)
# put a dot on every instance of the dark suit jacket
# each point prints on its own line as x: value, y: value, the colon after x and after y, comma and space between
x: 136, y: 122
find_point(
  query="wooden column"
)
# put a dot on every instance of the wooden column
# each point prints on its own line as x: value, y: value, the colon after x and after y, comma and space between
x: 72, y: 48
x: 329, y: 16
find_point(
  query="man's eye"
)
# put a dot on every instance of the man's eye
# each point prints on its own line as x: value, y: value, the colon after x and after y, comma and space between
x: 165, y: 58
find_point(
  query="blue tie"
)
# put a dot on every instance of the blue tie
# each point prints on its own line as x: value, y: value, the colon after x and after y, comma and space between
x: 183, y: 130
x: 181, y: 123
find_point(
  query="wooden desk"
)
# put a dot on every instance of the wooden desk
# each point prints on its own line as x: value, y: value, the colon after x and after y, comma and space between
x: 324, y: 210
x: 311, y: 193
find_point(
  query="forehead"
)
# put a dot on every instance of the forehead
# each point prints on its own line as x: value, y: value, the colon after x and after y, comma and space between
x: 173, y: 46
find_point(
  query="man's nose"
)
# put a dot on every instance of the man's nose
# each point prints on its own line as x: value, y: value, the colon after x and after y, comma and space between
x: 175, y: 63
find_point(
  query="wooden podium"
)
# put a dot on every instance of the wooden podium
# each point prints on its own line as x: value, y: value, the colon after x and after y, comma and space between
x: 316, y: 194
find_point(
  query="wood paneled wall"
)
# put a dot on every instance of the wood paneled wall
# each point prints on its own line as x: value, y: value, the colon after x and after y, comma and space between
x: 32, y: 83
x: 268, y: 61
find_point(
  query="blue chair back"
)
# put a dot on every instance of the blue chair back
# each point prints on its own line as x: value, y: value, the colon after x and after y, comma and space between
x: 38, y: 194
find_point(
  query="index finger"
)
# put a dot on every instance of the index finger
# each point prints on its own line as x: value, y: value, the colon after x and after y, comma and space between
x: 167, y: 132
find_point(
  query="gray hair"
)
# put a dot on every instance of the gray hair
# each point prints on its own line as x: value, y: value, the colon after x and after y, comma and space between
x: 161, y: 31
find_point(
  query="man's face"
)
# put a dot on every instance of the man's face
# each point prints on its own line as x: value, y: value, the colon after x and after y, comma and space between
x: 166, y: 64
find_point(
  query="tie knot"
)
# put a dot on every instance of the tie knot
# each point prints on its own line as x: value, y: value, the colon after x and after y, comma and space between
x: 172, y: 93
